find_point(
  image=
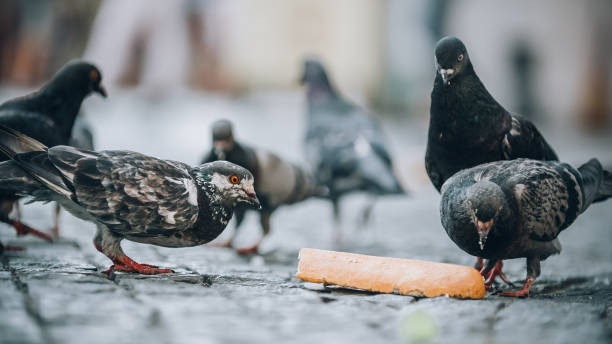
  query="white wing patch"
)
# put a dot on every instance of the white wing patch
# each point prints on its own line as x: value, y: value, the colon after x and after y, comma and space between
x: 518, y: 190
x: 192, y: 190
x: 190, y: 186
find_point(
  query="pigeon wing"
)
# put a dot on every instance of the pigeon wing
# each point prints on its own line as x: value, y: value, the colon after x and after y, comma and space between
x: 549, y: 197
x: 525, y: 141
x: 130, y: 192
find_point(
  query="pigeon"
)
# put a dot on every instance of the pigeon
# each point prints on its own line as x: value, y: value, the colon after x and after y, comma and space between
x: 343, y: 143
x: 467, y: 126
x: 517, y: 208
x: 128, y: 195
x: 48, y: 116
x: 277, y: 181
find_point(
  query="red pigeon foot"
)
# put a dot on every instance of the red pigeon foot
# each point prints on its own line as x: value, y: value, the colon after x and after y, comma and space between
x: 524, y: 292
x: 248, y: 250
x: 10, y: 248
x: 23, y: 229
x: 479, y: 265
x: 126, y: 264
x: 494, y: 273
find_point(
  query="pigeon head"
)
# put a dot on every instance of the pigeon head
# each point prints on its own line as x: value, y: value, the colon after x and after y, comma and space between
x: 314, y: 73
x: 227, y: 183
x: 485, y: 202
x: 451, y: 58
x: 223, y: 138
x: 77, y: 75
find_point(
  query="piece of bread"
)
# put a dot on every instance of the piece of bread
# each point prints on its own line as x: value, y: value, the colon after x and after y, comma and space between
x: 390, y: 275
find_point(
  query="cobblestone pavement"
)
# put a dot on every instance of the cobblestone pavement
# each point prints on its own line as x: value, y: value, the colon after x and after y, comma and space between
x: 56, y: 293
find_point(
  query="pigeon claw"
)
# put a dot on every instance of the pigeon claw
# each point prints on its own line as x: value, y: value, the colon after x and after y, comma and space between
x: 126, y: 264
x: 24, y: 229
x: 524, y: 292
x: 249, y: 250
x: 495, y: 272
x: 10, y: 248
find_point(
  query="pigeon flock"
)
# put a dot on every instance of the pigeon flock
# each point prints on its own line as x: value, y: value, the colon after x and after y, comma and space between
x: 504, y: 193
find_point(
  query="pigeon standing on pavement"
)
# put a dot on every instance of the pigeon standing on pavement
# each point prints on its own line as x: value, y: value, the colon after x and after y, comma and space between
x: 467, y: 126
x: 48, y: 116
x: 128, y: 195
x: 344, y: 144
x: 277, y: 181
x: 517, y: 208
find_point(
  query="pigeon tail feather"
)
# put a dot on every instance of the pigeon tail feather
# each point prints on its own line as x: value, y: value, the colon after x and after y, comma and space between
x: 379, y: 175
x: 32, y: 157
x: 13, y: 142
x: 594, y: 184
x: 605, y: 188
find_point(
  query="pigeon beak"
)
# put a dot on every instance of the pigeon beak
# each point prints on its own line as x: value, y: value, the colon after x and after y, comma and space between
x: 253, y: 200
x: 101, y: 90
x: 446, y: 74
x: 483, y: 229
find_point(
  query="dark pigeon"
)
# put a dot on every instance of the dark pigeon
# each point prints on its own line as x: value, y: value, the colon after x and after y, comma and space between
x: 277, y: 181
x: 128, y: 195
x: 467, y: 127
x: 517, y: 208
x: 344, y: 144
x: 48, y: 116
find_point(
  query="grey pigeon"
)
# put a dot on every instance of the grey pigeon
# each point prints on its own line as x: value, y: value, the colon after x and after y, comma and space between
x: 517, y: 208
x: 128, y: 195
x: 344, y: 144
x: 48, y: 116
x: 467, y: 126
x: 277, y: 181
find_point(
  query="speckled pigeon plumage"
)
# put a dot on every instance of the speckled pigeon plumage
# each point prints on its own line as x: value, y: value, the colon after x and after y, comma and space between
x: 517, y: 208
x: 467, y: 126
x: 128, y: 195
x: 277, y: 181
x: 48, y: 116
x: 344, y: 144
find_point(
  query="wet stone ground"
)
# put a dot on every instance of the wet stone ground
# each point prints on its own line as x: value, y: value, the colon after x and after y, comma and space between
x: 56, y: 292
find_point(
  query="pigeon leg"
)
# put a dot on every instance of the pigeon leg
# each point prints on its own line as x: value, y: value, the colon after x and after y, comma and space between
x: 524, y: 292
x: 533, y: 271
x: 494, y: 272
x: 55, y: 228
x: 264, y: 220
x: 367, y: 213
x: 20, y: 227
x: 110, y: 245
x: 23, y: 229
x: 9, y: 248
x: 479, y: 265
x: 337, y: 229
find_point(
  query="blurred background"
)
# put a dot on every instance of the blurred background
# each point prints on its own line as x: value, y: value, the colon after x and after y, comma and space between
x: 550, y: 58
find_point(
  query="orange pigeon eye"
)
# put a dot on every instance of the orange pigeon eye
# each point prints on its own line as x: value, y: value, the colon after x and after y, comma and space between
x: 460, y: 57
x: 93, y: 75
x: 234, y: 179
